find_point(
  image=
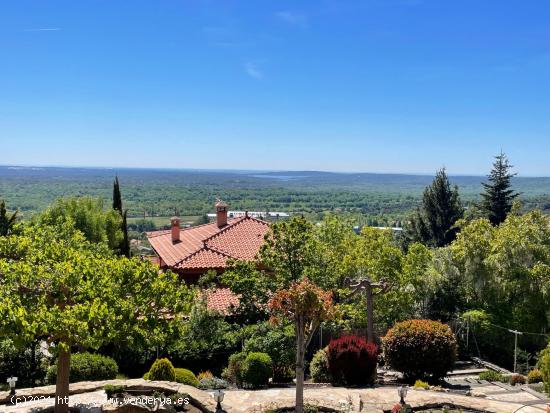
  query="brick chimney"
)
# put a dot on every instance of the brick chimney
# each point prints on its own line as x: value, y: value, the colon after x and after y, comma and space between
x: 221, y: 213
x: 175, y: 226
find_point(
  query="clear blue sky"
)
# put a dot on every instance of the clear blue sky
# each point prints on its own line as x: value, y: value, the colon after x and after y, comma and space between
x: 372, y: 85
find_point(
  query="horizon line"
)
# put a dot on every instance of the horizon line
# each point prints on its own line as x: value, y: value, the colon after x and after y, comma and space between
x: 237, y: 170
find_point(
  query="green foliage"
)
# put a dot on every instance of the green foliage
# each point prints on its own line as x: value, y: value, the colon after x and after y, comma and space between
x: 257, y: 369
x: 318, y: 368
x: 433, y: 223
x: 27, y: 363
x: 419, y: 384
x: 233, y: 372
x: 185, y: 376
x: 279, y: 343
x: 420, y: 349
x: 7, y: 221
x: 491, y: 375
x: 88, y: 215
x: 162, y: 370
x: 213, y: 383
x: 498, y: 196
x: 544, y: 366
x: 112, y: 390
x: 205, y: 340
x: 87, y: 367
x: 534, y: 376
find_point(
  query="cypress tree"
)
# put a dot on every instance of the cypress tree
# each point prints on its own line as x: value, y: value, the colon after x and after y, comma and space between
x: 124, y: 247
x: 117, y: 197
x: 498, y: 196
x: 433, y: 223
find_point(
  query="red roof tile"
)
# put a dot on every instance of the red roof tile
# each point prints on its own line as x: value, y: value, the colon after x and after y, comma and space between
x: 207, y: 246
x: 222, y: 300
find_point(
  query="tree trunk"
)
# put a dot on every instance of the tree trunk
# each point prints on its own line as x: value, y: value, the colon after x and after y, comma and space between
x: 300, y: 351
x: 62, y: 383
x: 370, y: 313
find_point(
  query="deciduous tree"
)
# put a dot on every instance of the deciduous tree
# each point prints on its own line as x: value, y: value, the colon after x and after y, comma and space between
x: 57, y: 286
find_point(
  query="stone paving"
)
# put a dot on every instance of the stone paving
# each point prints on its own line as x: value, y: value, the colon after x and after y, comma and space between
x: 370, y: 400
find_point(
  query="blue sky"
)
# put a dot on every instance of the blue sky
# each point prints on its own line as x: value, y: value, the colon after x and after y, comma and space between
x: 372, y: 85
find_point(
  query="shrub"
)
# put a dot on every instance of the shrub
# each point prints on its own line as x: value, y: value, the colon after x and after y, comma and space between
x: 352, y: 361
x: 544, y: 366
x: 256, y: 369
x: 318, y: 368
x: 534, y: 376
x: 279, y: 342
x: 111, y: 390
x: 517, y: 379
x: 213, y: 384
x: 162, y: 369
x: 419, y: 384
x: 424, y: 349
x: 233, y: 373
x: 185, y: 376
x: 205, y: 375
x: 491, y: 375
x: 86, y: 367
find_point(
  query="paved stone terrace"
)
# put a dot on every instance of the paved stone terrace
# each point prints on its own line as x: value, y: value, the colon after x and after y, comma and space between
x: 372, y: 400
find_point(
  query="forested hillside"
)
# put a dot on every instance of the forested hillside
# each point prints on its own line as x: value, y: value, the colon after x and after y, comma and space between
x: 192, y: 192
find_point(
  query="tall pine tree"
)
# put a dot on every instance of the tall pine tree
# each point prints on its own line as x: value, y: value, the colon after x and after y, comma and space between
x: 498, y: 196
x: 124, y: 247
x: 433, y: 223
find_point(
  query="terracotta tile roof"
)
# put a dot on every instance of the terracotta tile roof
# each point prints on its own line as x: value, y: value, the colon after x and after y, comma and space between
x: 221, y: 299
x: 207, y: 246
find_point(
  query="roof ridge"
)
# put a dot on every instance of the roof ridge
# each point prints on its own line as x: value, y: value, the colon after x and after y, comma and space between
x: 221, y: 231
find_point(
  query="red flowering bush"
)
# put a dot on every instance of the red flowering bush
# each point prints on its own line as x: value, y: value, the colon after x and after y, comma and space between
x: 352, y: 361
x: 420, y: 349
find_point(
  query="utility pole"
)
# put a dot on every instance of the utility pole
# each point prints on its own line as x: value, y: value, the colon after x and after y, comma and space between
x: 516, y: 334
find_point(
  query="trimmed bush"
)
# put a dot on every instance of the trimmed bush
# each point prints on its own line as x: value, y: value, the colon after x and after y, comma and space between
x: 491, y: 375
x: 352, y: 361
x: 318, y: 368
x: 534, y: 376
x: 257, y: 369
x: 420, y: 349
x: 87, y: 367
x: 185, y: 376
x: 233, y: 372
x: 517, y: 379
x: 162, y: 369
x: 213, y: 384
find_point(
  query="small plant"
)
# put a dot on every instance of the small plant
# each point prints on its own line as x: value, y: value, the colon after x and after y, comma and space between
x: 185, y: 376
x: 534, y: 376
x: 517, y: 379
x: 318, y: 368
x: 205, y: 375
x: 419, y: 384
x: 214, y: 383
x: 490, y: 375
x: 257, y: 369
x: 396, y: 408
x: 162, y: 369
x: 111, y: 390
